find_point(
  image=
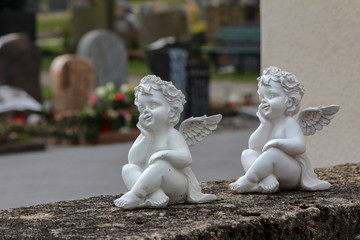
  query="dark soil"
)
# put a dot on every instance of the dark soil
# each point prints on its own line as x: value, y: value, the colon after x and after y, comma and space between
x: 332, y: 214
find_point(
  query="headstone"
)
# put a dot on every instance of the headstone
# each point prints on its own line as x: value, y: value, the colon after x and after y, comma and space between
x: 169, y: 23
x: 223, y: 15
x: 87, y: 17
x: 108, y: 54
x: 83, y: 20
x: 72, y: 81
x: 198, y: 88
x: 20, y: 64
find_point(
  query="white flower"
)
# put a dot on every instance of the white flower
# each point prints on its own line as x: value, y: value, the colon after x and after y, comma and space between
x: 124, y: 88
x: 100, y: 91
x: 110, y: 86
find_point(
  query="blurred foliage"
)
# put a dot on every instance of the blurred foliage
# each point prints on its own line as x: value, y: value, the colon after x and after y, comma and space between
x: 50, y: 22
x: 46, y: 61
x: 24, y: 132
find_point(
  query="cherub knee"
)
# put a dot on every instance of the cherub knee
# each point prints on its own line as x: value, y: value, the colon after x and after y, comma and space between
x: 248, y: 157
x: 130, y: 168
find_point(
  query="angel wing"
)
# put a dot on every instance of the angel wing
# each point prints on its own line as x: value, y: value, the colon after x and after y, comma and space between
x: 195, y: 129
x: 313, y: 119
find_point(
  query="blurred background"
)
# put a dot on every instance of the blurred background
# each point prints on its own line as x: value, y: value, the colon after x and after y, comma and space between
x: 68, y: 69
x: 79, y: 60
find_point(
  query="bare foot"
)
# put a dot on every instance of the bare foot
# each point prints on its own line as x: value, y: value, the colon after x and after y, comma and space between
x: 269, y: 184
x: 243, y: 185
x: 157, y: 199
x: 129, y: 201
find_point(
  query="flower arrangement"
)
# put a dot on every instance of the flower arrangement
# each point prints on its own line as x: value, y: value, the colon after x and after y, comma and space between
x: 108, y: 106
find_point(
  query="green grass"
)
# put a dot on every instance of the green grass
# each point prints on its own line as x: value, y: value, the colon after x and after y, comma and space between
x: 52, y: 22
x: 46, y: 92
x: 138, y: 67
x: 244, y: 76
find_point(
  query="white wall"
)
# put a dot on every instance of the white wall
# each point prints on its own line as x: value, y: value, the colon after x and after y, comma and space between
x: 319, y: 42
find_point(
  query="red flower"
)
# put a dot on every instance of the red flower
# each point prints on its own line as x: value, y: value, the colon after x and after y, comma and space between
x: 119, y: 97
x: 231, y: 105
x: 19, y: 118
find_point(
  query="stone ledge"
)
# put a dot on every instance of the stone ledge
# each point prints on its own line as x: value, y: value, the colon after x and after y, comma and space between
x: 333, y: 214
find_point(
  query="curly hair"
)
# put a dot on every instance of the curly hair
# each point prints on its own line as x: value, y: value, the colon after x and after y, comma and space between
x: 289, y: 82
x: 174, y: 96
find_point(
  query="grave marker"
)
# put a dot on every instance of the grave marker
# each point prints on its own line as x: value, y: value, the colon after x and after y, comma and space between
x: 72, y: 80
x: 20, y: 64
x: 108, y: 54
x: 169, y: 23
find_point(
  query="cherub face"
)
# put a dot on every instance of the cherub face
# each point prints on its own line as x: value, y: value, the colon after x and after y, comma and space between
x: 273, y: 100
x: 154, y: 110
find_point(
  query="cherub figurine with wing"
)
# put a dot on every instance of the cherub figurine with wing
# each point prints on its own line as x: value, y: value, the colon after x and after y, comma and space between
x: 276, y: 157
x: 159, y: 171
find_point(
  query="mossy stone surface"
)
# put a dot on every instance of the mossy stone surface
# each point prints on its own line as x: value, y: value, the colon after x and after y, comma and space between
x: 332, y: 214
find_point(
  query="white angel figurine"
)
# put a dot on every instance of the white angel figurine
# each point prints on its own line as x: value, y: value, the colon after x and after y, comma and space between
x: 276, y: 155
x: 159, y: 171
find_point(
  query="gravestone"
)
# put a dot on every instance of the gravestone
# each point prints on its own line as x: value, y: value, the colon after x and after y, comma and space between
x: 87, y: 17
x: 20, y: 64
x: 167, y: 23
x: 83, y: 20
x: 72, y: 81
x: 223, y: 15
x: 198, y: 88
x: 108, y: 54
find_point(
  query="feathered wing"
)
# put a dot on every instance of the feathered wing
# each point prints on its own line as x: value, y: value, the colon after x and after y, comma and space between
x: 313, y: 119
x: 195, y: 129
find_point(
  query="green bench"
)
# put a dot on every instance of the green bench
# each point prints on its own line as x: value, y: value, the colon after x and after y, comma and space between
x: 237, y: 42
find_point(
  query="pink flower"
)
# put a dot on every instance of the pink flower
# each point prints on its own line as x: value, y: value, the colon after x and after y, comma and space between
x: 93, y: 99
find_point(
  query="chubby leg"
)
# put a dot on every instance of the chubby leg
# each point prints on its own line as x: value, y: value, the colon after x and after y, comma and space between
x: 271, y: 166
x: 130, y: 174
x: 152, y: 187
x: 248, y: 157
x: 269, y: 184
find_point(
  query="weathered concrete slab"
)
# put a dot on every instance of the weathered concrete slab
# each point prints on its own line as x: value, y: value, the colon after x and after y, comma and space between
x: 333, y: 214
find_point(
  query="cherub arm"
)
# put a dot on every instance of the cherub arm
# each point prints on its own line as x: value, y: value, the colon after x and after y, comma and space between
x: 257, y: 140
x: 178, y: 156
x: 138, y: 150
x: 293, y: 144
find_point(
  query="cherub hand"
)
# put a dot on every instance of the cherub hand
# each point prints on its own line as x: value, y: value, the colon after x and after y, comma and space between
x: 260, y: 115
x: 142, y: 130
x: 156, y: 156
x: 272, y: 143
